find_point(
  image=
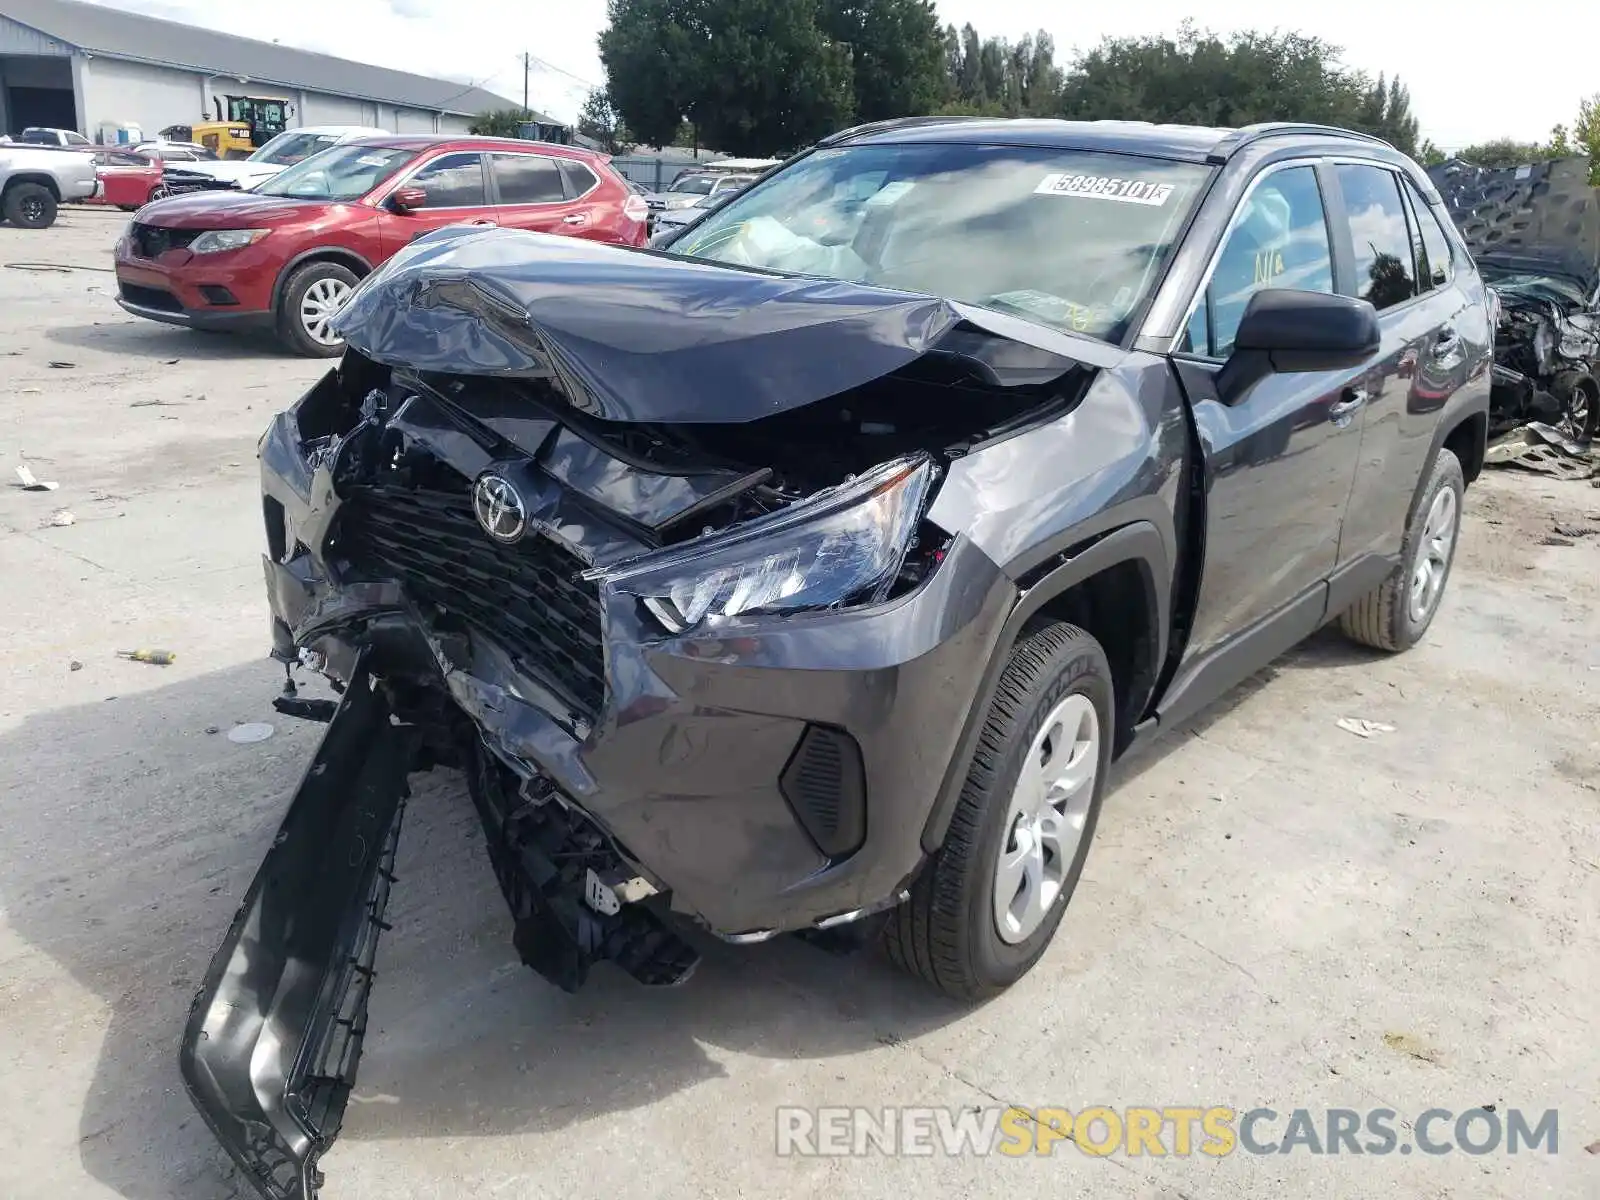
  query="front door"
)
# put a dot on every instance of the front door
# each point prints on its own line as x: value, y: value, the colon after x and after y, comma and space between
x: 1278, y: 464
x: 457, y: 192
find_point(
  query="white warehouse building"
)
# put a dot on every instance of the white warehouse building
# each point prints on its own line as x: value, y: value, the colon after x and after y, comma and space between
x: 74, y: 65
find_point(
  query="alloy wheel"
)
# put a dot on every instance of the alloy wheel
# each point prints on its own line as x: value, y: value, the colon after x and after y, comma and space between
x: 1045, y: 821
x: 321, y: 302
x: 32, y: 209
x: 1433, y: 555
x: 1578, y: 423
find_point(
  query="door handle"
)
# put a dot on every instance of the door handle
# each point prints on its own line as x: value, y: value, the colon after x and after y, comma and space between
x: 576, y: 219
x: 1349, y: 401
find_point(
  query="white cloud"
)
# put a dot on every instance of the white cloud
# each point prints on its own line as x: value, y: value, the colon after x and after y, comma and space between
x: 1474, y: 69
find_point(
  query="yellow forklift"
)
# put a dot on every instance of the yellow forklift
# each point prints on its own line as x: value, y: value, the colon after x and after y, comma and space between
x: 250, y: 123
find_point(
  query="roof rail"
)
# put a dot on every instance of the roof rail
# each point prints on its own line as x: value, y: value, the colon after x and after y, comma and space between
x: 870, y: 127
x: 1240, y: 138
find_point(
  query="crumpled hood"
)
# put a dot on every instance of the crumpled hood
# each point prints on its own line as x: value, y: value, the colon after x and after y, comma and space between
x: 638, y: 336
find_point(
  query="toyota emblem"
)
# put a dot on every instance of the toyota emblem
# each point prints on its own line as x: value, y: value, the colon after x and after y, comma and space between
x: 499, y: 508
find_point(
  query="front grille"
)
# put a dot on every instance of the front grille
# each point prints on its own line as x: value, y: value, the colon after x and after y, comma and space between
x: 149, y: 297
x: 151, y: 241
x: 527, y: 597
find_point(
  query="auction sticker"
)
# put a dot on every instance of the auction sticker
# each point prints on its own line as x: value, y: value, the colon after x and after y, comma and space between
x: 1105, y: 187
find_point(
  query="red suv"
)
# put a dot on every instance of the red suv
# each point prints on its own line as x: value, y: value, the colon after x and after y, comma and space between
x: 288, y: 253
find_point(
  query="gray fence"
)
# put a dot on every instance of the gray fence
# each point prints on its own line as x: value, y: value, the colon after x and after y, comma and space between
x: 655, y: 173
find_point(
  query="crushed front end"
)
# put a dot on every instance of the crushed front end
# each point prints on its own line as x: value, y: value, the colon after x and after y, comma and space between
x: 661, y: 573
x: 1535, y: 233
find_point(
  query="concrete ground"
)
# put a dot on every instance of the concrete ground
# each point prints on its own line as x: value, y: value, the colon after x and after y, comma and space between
x: 1278, y: 913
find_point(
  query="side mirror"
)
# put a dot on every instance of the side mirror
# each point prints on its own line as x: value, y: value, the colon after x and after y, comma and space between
x: 1284, y: 331
x: 408, y: 199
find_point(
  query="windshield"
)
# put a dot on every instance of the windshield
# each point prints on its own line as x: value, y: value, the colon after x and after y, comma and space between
x: 1067, y: 238
x: 342, y: 174
x: 292, y: 146
x: 700, y: 185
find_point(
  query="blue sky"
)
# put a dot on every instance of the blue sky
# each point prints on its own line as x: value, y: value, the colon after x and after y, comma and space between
x: 1448, y: 56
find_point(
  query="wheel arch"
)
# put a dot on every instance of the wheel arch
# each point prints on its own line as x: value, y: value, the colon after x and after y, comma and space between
x: 334, y: 254
x: 1116, y: 586
x: 39, y: 177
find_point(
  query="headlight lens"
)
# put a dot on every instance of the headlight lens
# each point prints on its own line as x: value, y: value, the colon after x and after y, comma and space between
x: 844, y: 544
x: 214, y: 241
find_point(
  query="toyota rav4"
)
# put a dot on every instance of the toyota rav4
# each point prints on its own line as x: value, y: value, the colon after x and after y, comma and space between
x: 807, y: 573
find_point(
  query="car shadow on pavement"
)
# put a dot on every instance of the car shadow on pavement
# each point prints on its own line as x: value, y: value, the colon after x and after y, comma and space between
x: 1323, y: 650
x: 137, y: 338
x: 131, y: 835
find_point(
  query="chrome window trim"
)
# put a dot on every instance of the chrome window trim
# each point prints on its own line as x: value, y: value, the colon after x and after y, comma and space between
x: 416, y: 168
x: 1198, y: 296
x: 411, y: 173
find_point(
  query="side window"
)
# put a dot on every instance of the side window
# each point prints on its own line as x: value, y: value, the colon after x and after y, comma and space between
x: 527, y: 179
x: 1279, y: 240
x: 579, y: 177
x: 1434, y: 265
x: 452, y: 181
x: 1378, y: 233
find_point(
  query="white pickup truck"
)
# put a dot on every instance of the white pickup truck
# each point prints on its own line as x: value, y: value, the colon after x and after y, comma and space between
x: 34, y: 181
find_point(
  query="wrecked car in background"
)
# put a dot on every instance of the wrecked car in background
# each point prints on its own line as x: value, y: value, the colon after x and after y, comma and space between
x: 807, y: 574
x: 1535, y: 231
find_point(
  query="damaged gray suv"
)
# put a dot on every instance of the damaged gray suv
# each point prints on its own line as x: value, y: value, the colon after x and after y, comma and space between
x: 807, y: 573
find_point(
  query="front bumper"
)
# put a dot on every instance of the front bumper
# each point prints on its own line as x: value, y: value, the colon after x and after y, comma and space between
x: 228, y: 291
x: 275, y: 1033
x: 693, y: 763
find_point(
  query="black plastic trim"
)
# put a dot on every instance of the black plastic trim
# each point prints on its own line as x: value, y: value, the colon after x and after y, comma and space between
x: 826, y: 787
x: 274, y: 1036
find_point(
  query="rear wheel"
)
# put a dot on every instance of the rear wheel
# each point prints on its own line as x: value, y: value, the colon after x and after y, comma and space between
x: 989, y: 901
x: 311, y: 299
x: 1396, y: 614
x: 30, y: 206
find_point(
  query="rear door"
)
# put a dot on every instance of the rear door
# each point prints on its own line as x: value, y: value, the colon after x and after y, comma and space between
x: 532, y: 192
x: 457, y: 189
x: 1405, y: 266
x: 1278, y: 463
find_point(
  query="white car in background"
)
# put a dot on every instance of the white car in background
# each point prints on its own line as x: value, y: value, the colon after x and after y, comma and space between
x: 287, y: 148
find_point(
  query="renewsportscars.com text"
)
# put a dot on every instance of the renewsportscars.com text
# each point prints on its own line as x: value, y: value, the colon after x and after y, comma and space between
x: 1175, y: 1130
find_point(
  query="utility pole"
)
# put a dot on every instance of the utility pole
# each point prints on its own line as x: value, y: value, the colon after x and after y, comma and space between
x: 526, y: 60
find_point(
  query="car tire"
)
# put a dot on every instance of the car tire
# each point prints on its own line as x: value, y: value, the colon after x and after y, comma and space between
x: 30, y: 206
x: 1395, y: 614
x: 1054, y: 699
x: 309, y: 289
x: 1579, y: 393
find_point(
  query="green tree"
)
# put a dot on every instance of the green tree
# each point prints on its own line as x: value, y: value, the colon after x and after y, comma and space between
x: 1202, y: 78
x: 652, y: 55
x: 1430, y: 155
x: 897, y: 54
x: 1504, y: 152
x: 1586, y: 134
x: 599, y: 121
x: 501, y: 122
x: 753, y: 76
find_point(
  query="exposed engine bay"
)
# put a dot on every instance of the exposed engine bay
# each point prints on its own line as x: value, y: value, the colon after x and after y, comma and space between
x: 1535, y: 233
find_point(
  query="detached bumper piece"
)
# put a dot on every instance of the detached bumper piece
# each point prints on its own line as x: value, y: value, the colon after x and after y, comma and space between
x: 544, y: 855
x: 274, y: 1035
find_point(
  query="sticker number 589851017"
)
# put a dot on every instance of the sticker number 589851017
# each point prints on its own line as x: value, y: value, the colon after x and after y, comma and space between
x: 1104, y: 187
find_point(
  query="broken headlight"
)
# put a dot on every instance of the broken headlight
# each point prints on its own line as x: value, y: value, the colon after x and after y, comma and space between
x: 845, y: 544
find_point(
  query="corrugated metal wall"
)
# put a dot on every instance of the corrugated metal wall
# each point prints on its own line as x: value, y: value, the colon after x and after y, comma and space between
x: 151, y: 97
